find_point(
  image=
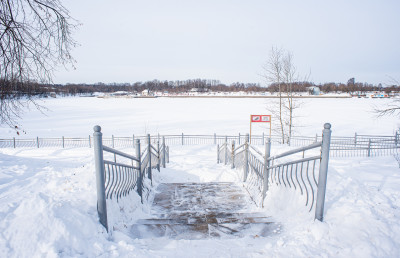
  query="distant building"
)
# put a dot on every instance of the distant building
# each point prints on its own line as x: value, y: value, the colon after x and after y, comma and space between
x: 146, y: 92
x: 120, y: 93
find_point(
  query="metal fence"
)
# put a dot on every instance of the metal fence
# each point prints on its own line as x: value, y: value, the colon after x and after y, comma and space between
x: 119, y: 173
x: 292, y: 169
x: 357, y: 146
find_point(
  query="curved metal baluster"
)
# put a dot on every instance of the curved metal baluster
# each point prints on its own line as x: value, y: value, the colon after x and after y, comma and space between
x: 315, y: 181
x: 297, y: 179
x: 119, y: 181
x: 279, y: 171
x: 312, y: 189
x: 126, y: 182
x: 114, y: 181
x: 123, y: 181
x: 108, y: 180
x: 283, y: 175
x: 133, y: 179
x: 287, y: 175
x: 130, y: 181
x: 305, y: 187
x: 291, y: 176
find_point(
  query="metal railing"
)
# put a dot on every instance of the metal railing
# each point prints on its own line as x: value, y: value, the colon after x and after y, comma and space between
x: 292, y: 169
x: 365, y: 146
x: 357, y: 146
x: 117, y: 177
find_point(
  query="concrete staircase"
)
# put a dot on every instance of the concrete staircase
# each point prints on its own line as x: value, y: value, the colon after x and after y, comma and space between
x: 203, y: 210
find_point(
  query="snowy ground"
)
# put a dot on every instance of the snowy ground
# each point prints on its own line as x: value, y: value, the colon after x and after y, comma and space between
x: 48, y: 197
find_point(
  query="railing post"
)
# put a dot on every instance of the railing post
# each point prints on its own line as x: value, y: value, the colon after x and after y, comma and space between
x: 182, y: 138
x: 396, y: 138
x: 14, y: 142
x: 63, y: 142
x: 266, y: 169
x: 149, y: 155
x: 167, y: 154
x: 215, y: 138
x: 112, y: 140
x: 233, y: 154
x: 369, y: 147
x: 263, y: 139
x: 99, y: 165
x: 323, y: 172
x: 163, y: 152
x: 218, y: 154
x: 246, y: 159
x: 139, y: 165
x: 226, y: 150
x: 90, y: 143
x: 158, y: 155
x: 133, y: 140
x: 316, y: 137
x: 239, y: 138
x: 247, y: 138
x: 37, y: 142
x: 355, y: 138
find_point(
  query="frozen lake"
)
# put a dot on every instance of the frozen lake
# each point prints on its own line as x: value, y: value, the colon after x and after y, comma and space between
x: 76, y: 116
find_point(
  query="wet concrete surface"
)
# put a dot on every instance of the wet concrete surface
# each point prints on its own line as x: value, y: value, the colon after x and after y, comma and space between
x: 203, y: 210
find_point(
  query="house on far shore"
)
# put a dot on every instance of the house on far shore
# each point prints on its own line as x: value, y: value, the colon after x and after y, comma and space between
x: 146, y: 92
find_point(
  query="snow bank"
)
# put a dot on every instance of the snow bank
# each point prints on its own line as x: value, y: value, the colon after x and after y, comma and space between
x: 48, y: 197
x: 48, y: 208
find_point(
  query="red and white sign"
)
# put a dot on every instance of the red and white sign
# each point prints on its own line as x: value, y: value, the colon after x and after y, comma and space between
x: 260, y: 118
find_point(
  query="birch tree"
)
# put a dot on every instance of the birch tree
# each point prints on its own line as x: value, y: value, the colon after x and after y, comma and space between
x: 280, y: 71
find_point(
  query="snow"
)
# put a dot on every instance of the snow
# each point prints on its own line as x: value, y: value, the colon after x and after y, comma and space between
x: 75, y: 117
x: 48, y: 196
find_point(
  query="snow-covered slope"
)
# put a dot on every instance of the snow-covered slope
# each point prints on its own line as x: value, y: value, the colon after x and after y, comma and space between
x: 48, y: 208
x: 48, y: 197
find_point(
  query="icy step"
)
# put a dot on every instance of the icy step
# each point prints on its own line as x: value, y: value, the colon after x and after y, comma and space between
x: 201, y: 211
x: 204, y: 230
x: 206, y: 220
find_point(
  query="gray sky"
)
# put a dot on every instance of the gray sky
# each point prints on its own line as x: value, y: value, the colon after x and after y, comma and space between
x: 129, y: 40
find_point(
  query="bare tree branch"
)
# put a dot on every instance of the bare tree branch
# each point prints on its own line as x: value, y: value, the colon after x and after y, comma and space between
x: 35, y: 37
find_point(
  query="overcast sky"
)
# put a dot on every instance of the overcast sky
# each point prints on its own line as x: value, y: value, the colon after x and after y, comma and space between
x: 129, y: 40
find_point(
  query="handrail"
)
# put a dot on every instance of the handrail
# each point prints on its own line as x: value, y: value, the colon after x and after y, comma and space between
x: 257, y: 151
x: 119, y: 164
x: 116, y: 180
x: 295, y: 161
x: 309, y: 147
x: 259, y: 173
x: 120, y: 153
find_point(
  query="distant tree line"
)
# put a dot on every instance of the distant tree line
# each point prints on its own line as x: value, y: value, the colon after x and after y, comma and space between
x: 19, y: 89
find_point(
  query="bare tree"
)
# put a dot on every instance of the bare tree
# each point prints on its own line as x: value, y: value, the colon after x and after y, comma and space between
x: 273, y: 73
x: 35, y: 37
x: 393, y: 108
x: 280, y: 70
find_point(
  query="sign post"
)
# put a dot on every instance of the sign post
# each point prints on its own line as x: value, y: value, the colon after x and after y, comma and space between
x: 260, y: 119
